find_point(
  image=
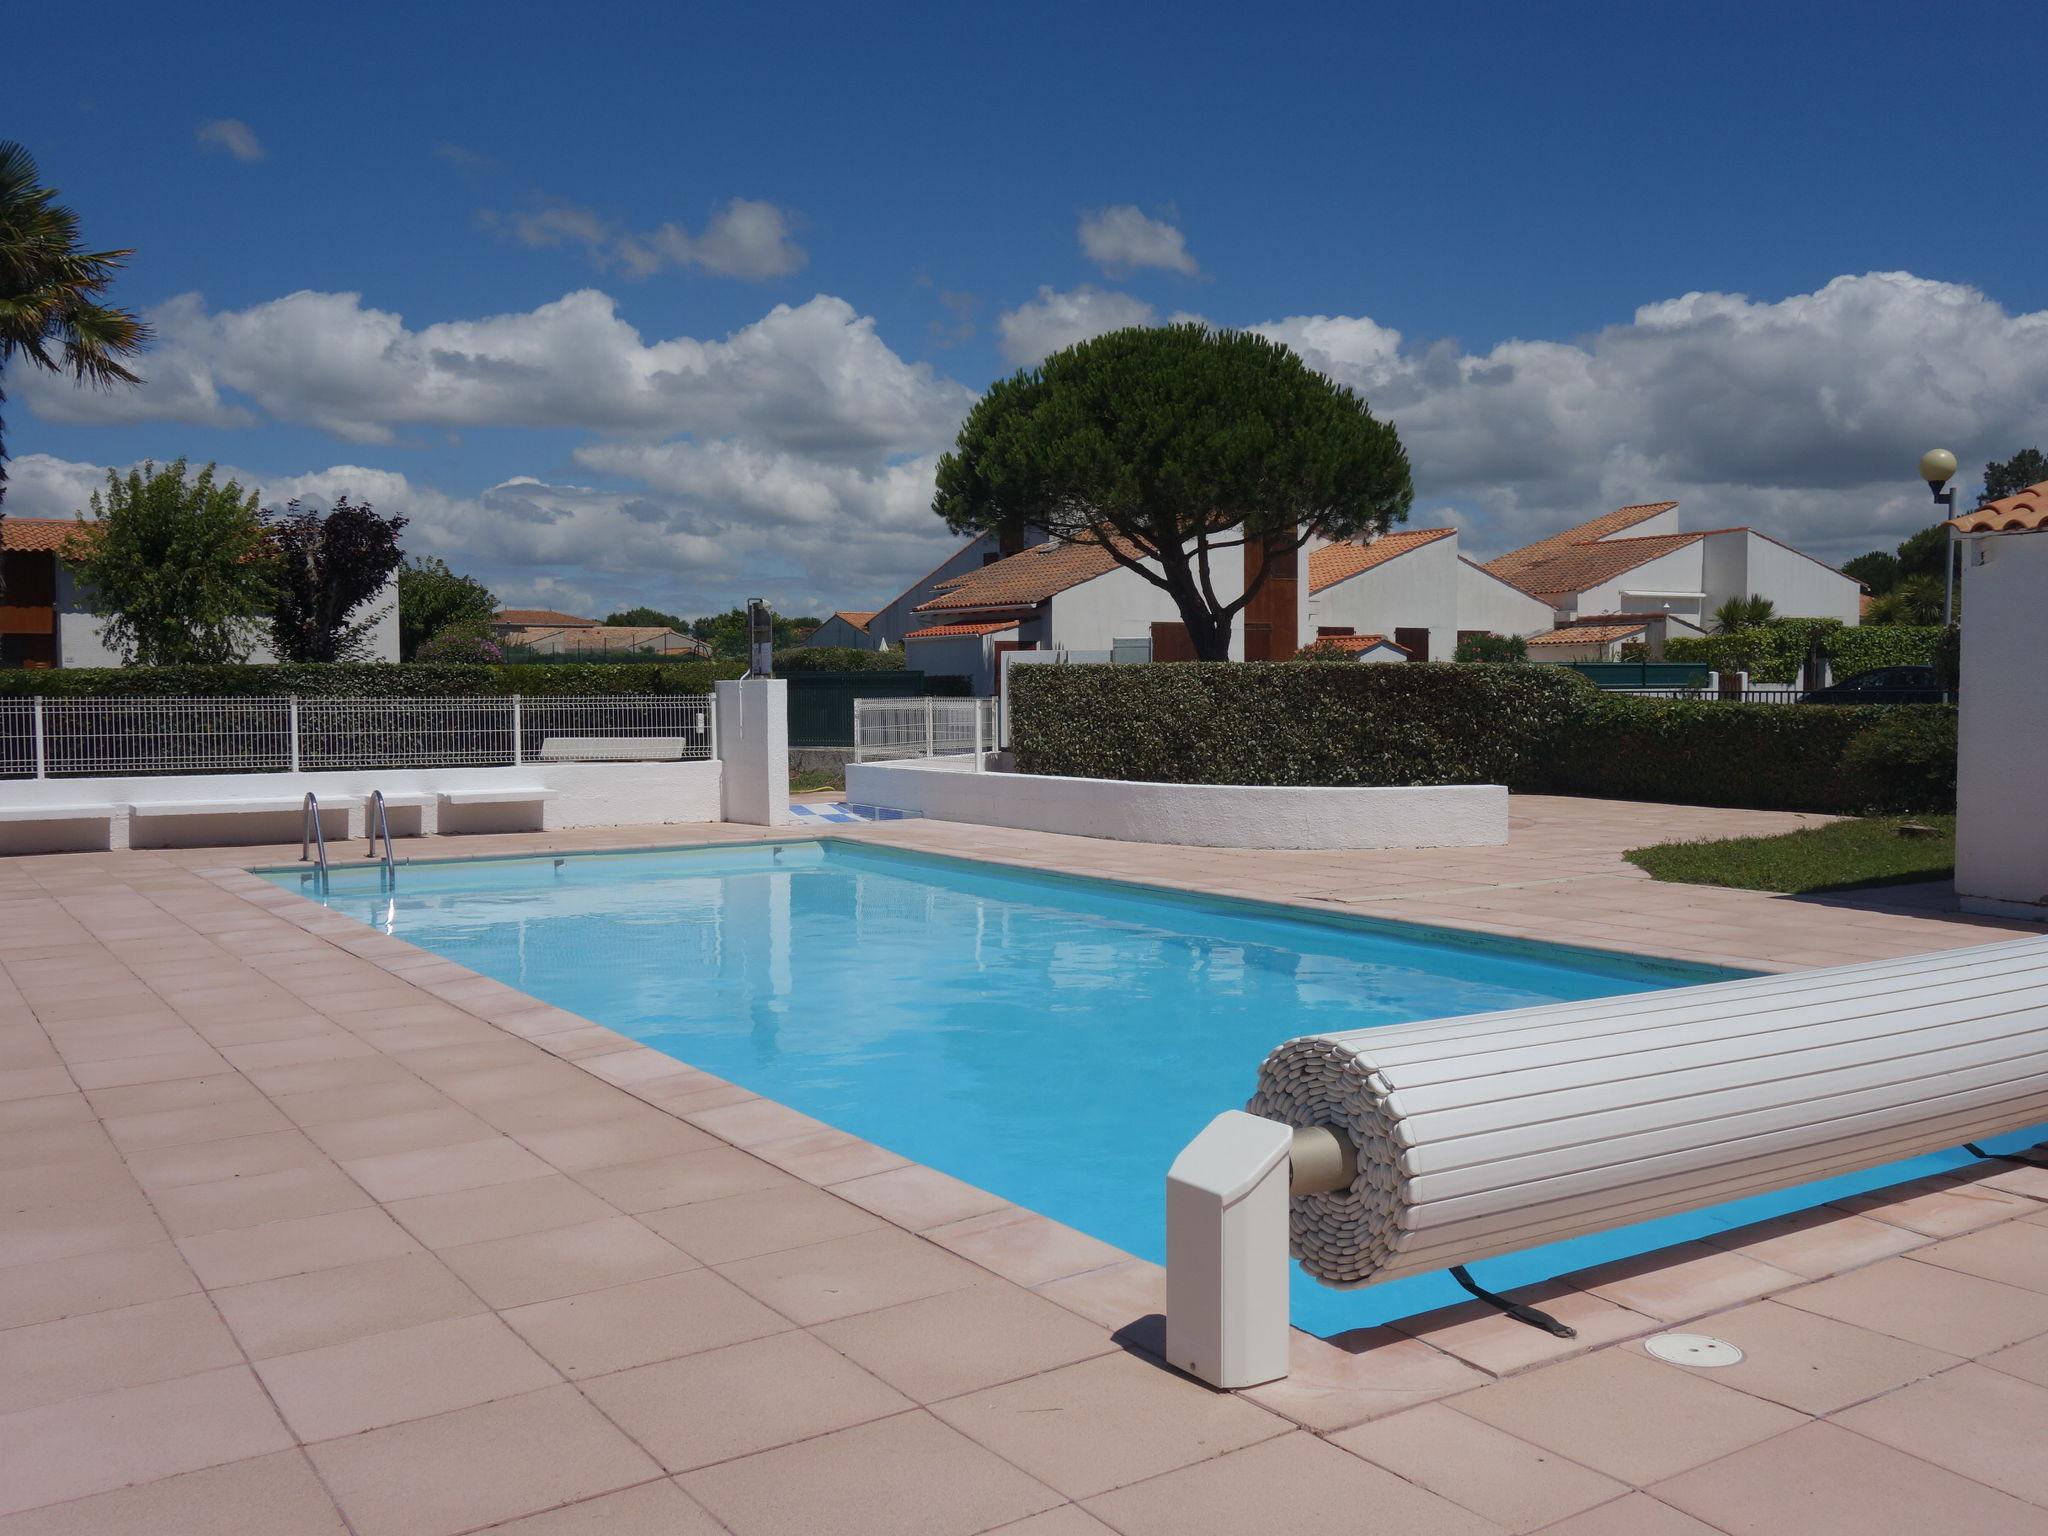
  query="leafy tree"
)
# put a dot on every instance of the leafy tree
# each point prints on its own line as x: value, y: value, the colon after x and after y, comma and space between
x: 180, y: 569
x: 466, y: 640
x: 432, y: 598
x: 1492, y: 648
x: 1167, y: 447
x: 1742, y: 613
x: 1922, y: 554
x: 49, y: 289
x: 1914, y: 600
x: 1878, y: 571
x: 2027, y: 467
x: 726, y: 633
x: 328, y: 566
x: 647, y: 618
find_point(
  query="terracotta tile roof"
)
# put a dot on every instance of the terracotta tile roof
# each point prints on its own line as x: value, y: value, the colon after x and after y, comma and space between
x: 1353, y: 643
x: 533, y: 618
x: 1587, y: 634
x: 1581, y: 567
x: 945, y: 631
x: 1340, y: 562
x: 2022, y: 512
x: 1510, y: 566
x: 1022, y: 580
x: 36, y: 535
x: 858, y: 618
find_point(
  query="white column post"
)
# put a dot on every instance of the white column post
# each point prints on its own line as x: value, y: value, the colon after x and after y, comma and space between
x: 518, y: 754
x: 975, y: 705
x: 753, y: 735
x: 294, y: 702
x: 1226, y: 1252
x: 42, y: 763
x: 931, y: 741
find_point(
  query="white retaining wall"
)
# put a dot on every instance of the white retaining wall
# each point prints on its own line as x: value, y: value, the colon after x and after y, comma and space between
x: 1199, y: 815
x: 577, y: 795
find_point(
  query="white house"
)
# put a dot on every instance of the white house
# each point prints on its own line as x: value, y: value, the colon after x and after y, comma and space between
x: 1601, y: 638
x: 1067, y: 597
x: 1636, y: 560
x: 1402, y: 585
x: 46, y: 620
x: 2001, y: 835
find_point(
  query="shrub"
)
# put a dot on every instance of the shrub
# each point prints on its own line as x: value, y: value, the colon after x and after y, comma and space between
x: 367, y: 680
x: 836, y: 658
x: 1772, y: 653
x: 461, y: 642
x: 1904, y: 761
x: 1541, y: 729
x: 1491, y: 648
x: 1294, y: 723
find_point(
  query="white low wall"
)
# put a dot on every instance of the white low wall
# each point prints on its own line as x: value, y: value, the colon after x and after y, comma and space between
x: 578, y: 795
x: 1199, y: 815
x: 2001, y: 832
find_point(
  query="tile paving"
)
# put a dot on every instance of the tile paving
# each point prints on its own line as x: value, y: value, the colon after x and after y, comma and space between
x: 303, y: 1231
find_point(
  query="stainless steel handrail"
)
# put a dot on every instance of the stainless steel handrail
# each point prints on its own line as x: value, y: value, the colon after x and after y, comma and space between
x: 379, y: 824
x: 310, y: 835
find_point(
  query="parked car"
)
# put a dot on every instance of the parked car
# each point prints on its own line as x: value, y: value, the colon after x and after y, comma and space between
x: 1883, y: 685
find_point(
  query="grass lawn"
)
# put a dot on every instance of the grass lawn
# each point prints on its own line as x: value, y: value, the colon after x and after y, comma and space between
x: 1841, y: 856
x: 804, y: 782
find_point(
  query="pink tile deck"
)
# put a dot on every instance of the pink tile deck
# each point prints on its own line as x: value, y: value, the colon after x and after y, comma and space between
x: 306, y: 1231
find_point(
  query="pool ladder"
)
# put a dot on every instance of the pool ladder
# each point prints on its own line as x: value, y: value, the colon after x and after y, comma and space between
x: 378, y: 823
x: 311, y: 839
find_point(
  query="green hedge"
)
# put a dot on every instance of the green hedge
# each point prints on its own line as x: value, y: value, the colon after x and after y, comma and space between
x: 382, y: 680
x: 1774, y: 652
x: 1294, y: 722
x: 836, y: 658
x: 1541, y: 729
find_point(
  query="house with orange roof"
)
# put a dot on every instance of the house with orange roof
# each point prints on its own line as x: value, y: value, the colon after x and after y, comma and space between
x: 47, y: 617
x: 846, y: 629
x: 1637, y: 560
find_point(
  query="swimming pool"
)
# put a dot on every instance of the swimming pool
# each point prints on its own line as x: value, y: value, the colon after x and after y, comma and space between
x: 1052, y: 1039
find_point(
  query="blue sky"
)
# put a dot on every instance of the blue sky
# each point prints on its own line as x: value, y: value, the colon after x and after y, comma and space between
x: 1488, y: 219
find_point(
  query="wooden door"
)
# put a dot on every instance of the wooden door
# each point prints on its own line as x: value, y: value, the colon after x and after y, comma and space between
x: 1001, y: 647
x: 1172, y: 642
x: 1414, y: 641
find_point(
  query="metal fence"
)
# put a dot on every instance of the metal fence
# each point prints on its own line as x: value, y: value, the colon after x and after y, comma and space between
x: 1792, y: 695
x: 69, y: 738
x: 898, y: 728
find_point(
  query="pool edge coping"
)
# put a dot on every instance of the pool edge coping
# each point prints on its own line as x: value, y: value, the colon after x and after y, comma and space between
x: 1319, y: 1366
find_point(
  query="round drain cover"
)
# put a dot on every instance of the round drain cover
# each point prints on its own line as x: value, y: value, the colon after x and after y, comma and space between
x: 1693, y: 1349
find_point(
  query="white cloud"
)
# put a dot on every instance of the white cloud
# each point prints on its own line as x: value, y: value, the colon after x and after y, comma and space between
x: 233, y: 136
x: 1803, y: 417
x: 745, y: 239
x: 1054, y: 320
x: 813, y: 378
x: 1122, y: 238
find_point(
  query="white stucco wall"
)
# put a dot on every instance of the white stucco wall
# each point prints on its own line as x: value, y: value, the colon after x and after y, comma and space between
x: 2001, y: 832
x: 1196, y: 815
x: 1683, y: 570
x: 1416, y: 590
x: 1485, y: 602
x: 582, y: 795
x: 967, y: 656
x: 1122, y: 605
x: 1798, y: 586
x: 80, y: 642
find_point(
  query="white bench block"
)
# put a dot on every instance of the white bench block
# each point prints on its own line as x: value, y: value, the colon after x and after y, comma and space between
x: 495, y: 796
x: 253, y: 806
x: 57, y: 812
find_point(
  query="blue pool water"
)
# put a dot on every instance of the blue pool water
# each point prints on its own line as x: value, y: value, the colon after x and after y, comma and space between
x: 1054, y: 1040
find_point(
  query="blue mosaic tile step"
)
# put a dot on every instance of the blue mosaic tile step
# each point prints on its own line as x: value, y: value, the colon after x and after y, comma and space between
x: 841, y: 813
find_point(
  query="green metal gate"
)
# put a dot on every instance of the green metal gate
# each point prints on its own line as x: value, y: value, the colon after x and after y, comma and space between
x: 821, y: 703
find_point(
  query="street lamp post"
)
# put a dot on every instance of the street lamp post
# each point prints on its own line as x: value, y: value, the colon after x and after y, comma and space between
x: 1937, y: 468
